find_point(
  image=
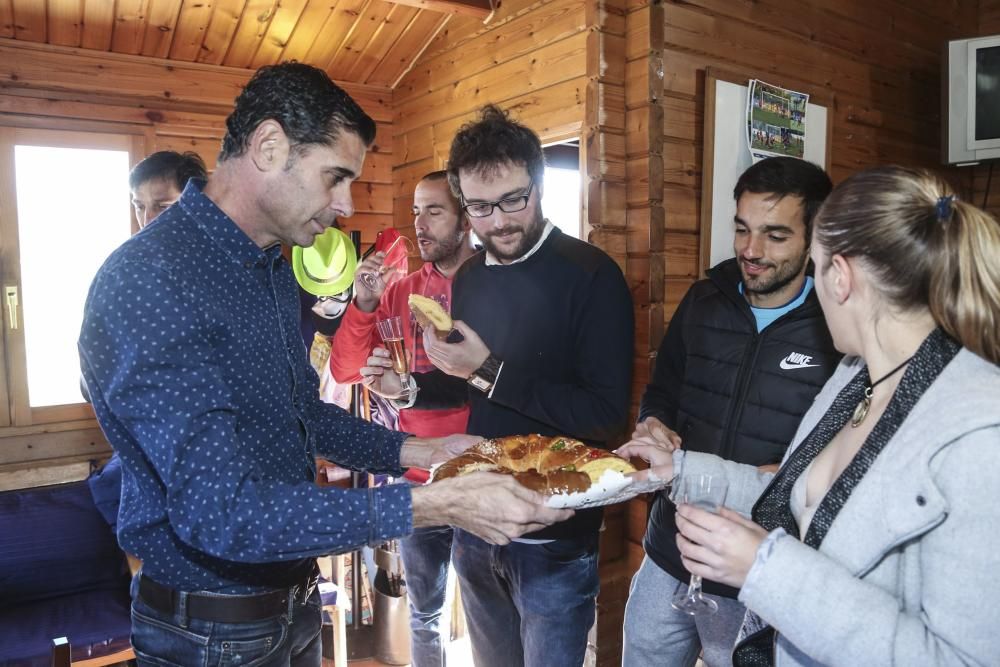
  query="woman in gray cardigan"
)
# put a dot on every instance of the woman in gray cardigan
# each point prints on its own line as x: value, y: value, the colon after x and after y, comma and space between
x: 877, y: 541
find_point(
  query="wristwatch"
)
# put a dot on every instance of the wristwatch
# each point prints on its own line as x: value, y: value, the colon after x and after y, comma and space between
x: 484, y: 376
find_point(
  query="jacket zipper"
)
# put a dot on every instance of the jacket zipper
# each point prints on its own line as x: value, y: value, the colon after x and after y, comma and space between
x: 743, y: 383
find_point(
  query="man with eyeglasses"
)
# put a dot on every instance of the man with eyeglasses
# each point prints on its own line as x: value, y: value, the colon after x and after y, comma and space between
x: 548, y: 335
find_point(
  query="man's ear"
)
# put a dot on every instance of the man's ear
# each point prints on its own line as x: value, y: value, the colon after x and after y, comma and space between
x: 269, y: 146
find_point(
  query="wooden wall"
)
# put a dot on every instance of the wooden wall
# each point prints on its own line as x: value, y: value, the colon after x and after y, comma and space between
x: 989, y: 24
x: 169, y: 105
x: 880, y: 61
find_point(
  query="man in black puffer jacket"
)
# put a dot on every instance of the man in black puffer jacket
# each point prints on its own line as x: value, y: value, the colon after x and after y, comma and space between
x: 743, y: 357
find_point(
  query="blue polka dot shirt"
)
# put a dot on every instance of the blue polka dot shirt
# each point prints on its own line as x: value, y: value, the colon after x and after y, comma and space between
x: 191, y: 351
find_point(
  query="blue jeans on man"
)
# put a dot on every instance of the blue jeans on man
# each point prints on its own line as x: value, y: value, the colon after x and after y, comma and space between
x: 528, y: 605
x: 426, y: 554
x: 291, y: 639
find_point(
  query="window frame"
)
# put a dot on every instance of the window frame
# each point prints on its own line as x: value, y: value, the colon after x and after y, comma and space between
x: 16, y: 412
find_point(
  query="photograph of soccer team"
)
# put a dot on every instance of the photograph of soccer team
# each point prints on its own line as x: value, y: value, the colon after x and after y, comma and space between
x: 777, y: 120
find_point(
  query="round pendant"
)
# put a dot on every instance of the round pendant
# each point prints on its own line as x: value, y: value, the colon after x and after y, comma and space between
x: 860, y: 412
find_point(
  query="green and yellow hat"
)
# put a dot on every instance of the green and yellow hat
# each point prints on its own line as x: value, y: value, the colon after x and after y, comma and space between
x: 327, y: 266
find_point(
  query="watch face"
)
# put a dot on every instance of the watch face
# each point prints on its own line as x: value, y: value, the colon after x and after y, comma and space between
x: 479, y: 383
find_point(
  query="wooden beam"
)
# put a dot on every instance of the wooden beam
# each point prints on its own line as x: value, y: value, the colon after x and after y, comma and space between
x: 480, y: 9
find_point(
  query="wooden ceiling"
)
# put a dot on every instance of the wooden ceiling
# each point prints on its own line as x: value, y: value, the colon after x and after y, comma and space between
x: 372, y: 42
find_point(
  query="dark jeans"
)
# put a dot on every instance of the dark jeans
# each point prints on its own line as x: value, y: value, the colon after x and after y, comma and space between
x: 426, y: 554
x: 528, y: 604
x: 166, y: 640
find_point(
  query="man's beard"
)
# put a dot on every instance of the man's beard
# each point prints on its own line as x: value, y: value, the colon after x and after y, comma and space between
x: 783, y: 275
x: 445, y: 250
x: 528, y: 239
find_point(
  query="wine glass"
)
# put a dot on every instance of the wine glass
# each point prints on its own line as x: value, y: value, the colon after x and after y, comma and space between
x: 391, y: 332
x: 371, y: 279
x: 707, y: 492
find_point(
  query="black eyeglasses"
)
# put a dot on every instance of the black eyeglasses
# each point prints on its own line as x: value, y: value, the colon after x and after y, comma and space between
x: 508, y: 205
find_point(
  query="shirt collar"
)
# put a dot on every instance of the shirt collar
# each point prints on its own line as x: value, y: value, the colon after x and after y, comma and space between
x: 221, y: 229
x: 493, y: 261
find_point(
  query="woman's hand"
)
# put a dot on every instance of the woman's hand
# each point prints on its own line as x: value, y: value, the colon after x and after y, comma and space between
x: 719, y: 547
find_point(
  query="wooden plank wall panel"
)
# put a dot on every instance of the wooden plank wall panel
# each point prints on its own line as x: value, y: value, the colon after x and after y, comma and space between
x: 161, y: 23
x: 222, y: 27
x: 6, y: 18
x: 880, y: 60
x: 986, y: 178
x: 190, y: 31
x: 65, y: 21
x: 29, y: 20
x: 54, y: 83
x: 98, y: 19
x: 530, y: 58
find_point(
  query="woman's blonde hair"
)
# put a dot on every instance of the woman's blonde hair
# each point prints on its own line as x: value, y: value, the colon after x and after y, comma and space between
x: 925, y: 247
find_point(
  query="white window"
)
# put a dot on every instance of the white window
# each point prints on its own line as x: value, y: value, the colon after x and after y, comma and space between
x: 64, y: 206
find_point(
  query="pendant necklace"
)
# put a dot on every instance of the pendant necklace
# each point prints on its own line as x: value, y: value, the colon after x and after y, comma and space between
x: 861, y: 411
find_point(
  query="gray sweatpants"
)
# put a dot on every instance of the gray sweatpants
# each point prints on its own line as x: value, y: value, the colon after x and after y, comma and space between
x: 657, y: 635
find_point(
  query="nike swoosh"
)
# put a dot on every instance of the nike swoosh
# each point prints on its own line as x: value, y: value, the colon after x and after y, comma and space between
x: 790, y: 367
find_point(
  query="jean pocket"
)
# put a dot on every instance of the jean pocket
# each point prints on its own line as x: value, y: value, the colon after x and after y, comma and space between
x: 161, y: 643
x: 146, y: 660
x: 254, y: 651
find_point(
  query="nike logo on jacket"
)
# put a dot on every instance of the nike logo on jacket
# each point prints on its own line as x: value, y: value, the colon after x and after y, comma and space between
x: 796, y: 360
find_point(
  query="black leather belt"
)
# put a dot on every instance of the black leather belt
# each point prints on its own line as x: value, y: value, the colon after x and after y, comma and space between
x: 225, y: 608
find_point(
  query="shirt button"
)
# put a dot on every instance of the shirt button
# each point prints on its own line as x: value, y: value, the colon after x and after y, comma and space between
x: 921, y: 501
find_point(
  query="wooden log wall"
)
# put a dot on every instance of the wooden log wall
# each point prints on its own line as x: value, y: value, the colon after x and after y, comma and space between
x: 170, y: 105
x: 879, y: 60
x: 989, y: 24
x: 559, y: 66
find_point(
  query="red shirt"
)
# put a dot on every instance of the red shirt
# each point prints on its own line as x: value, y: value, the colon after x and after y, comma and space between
x: 356, y: 336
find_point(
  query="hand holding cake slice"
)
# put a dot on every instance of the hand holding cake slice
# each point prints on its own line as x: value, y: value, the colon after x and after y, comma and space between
x: 430, y: 315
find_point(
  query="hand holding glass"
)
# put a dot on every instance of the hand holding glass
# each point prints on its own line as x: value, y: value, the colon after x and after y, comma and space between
x: 374, y: 280
x: 391, y: 331
x: 705, y: 492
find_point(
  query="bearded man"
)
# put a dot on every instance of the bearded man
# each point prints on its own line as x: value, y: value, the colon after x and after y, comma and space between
x: 743, y: 357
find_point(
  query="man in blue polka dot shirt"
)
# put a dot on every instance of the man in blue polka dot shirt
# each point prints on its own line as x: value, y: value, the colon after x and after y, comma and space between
x: 190, y: 347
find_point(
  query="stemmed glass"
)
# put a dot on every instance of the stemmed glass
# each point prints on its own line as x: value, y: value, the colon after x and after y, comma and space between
x: 391, y: 332
x: 707, y: 492
x: 371, y: 279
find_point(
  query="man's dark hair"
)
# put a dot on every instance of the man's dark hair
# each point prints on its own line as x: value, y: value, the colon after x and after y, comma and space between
x: 169, y: 166
x: 438, y: 175
x: 310, y: 108
x: 784, y: 176
x: 491, y: 142
x: 442, y: 175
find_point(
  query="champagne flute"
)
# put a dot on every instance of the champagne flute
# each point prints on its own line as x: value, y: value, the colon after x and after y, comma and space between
x: 371, y: 279
x: 391, y: 332
x: 707, y: 492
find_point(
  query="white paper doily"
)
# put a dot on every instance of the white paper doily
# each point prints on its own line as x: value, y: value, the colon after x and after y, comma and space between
x: 613, y: 487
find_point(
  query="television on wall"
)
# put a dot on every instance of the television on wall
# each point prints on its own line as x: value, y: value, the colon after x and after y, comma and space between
x: 971, y: 101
